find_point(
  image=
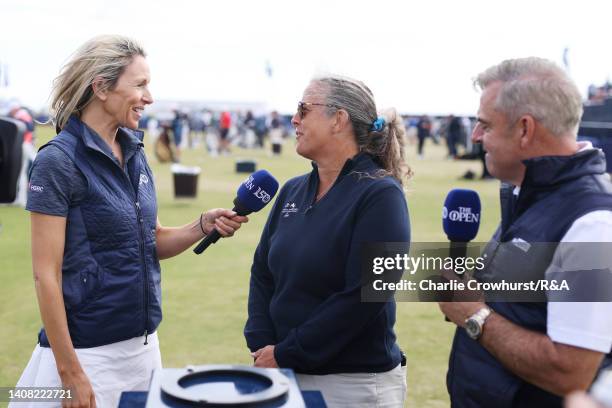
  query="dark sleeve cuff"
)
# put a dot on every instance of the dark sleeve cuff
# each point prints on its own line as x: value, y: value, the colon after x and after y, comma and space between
x: 281, y: 356
x: 257, y: 339
x: 289, y: 354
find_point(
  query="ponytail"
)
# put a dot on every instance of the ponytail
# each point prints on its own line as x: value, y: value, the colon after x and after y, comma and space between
x: 385, y: 141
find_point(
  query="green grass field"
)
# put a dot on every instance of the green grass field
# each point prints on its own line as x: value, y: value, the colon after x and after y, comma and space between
x: 205, y: 296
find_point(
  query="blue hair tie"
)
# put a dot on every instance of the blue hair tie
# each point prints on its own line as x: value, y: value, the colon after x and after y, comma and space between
x: 378, y: 124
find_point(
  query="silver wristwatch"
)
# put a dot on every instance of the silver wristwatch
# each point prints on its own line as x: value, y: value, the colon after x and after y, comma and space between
x: 474, y: 323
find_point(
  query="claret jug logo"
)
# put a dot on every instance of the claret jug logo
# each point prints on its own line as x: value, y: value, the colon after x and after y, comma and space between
x: 288, y: 209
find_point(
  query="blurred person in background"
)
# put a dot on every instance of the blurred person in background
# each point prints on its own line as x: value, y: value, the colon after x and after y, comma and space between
x: 153, y: 129
x: 249, y: 131
x: 96, y: 237
x: 453, y: 135
x: 16, y: 111
x: 225, y: 124
x: 305, y: 308
x: 211, y: 139
x: 276, y: 133
x: 177, y: 133
x: 261, y: 129
x: 423, y: 132
x: 163, y: 147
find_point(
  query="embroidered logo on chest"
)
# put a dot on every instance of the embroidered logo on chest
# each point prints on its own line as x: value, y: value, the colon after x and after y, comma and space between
x: 288, y: 209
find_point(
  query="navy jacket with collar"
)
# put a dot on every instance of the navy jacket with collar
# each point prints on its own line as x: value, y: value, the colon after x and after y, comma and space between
x: 556, y: 191
x: 110, y: 269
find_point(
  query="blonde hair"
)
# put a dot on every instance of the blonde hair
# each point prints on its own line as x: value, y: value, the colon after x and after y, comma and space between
x: 385, y: 145
x: 104, y: 57
x: 537, y: 87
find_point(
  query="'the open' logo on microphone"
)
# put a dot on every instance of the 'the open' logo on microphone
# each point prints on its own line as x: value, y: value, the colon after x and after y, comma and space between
x: 461, y: 214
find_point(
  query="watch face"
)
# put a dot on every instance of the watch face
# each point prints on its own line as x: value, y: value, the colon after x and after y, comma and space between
x: 472, y: 328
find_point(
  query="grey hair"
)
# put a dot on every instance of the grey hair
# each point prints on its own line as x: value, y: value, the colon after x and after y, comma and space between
x: 104, y: 57
x: 386, y: 145
x: 537, y: 87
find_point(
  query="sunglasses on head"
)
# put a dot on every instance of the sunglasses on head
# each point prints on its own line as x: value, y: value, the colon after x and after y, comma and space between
x: 302, y: 110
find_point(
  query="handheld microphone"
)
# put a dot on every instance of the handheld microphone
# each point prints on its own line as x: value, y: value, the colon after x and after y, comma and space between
x: 252, y: 195
x: 461, y: 219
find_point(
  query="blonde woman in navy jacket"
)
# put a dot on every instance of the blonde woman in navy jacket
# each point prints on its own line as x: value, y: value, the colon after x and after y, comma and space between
x: 96, y: 238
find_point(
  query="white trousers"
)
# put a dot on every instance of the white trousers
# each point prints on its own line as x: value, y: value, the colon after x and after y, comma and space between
x: 359, y: 390
x: 123, y: 366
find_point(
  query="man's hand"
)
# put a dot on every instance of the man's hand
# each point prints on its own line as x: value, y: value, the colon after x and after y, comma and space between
x: 458, y: 312
x: 264, y: 357
x: 533, y: 356
x: 226, y: 222
x: 465, y: 295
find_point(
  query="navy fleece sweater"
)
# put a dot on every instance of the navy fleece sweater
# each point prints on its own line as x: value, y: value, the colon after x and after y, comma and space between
x: 305, y: 289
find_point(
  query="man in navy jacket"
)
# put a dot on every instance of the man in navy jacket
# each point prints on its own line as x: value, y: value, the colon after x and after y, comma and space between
x: 531, y: 354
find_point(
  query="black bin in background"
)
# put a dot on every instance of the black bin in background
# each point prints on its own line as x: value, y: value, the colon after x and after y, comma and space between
x: 246, y: 166
x: 185, y: 181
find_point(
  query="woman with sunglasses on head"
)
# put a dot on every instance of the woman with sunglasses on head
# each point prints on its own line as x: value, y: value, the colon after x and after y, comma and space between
x: 305, y: 308
x: 96, y: 238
